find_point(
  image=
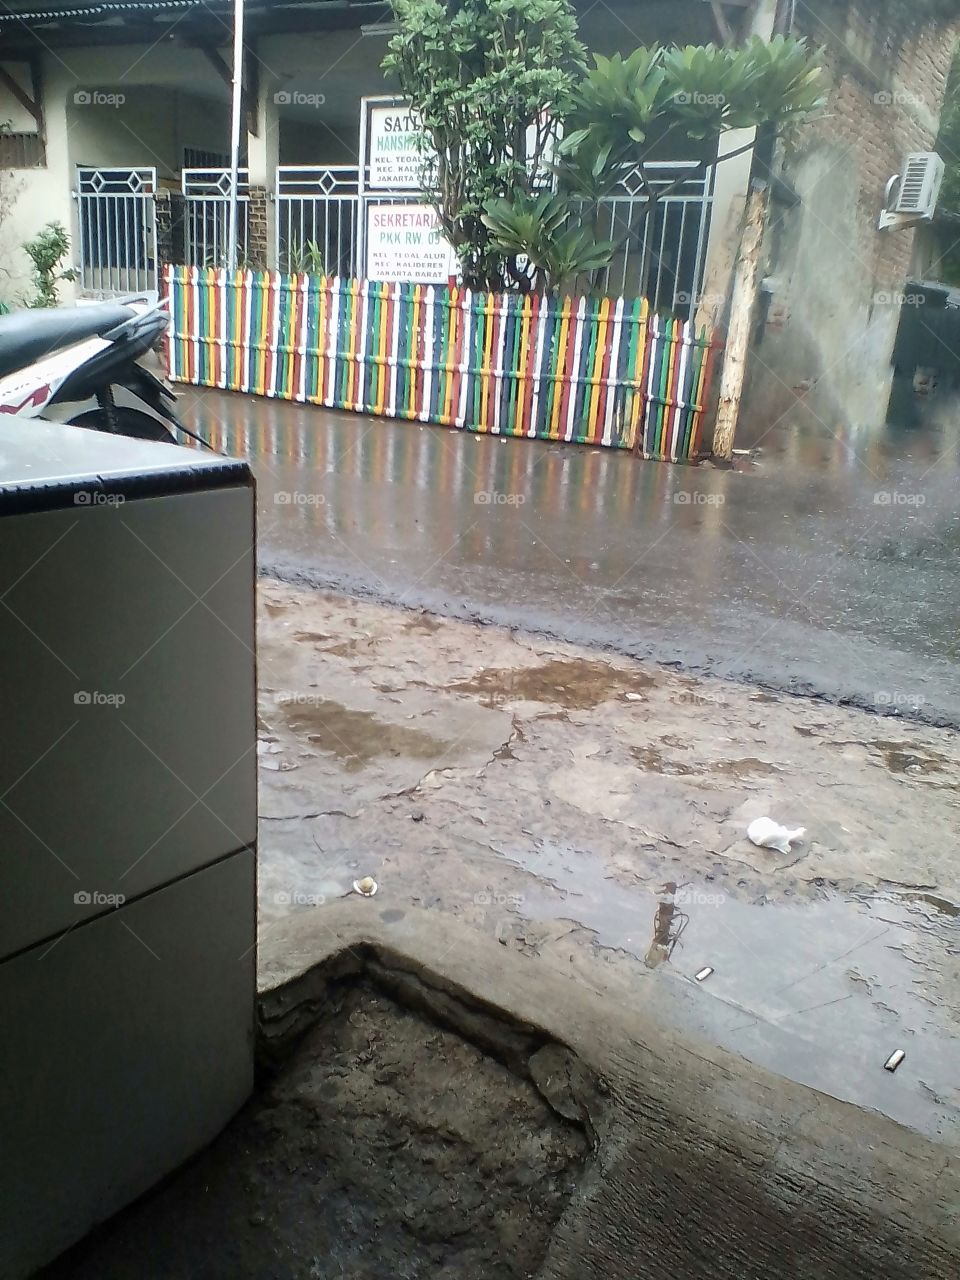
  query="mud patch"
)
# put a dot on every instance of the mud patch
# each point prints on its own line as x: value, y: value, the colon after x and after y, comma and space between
x: 357, y: 737
x: 385, y: 1148
x: 575, y: 684
x: 901, y: 757
x: 653, y: 761
x: 942, y: 905
x: 749, y: 767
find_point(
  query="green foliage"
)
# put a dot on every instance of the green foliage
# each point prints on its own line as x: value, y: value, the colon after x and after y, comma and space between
x: 586, y: 172
x: 307, y: 259
x: 537, y: 228
x: 616, y: 102
x: 47, y: 251
x: 698, y: 92
x: 480, y: 73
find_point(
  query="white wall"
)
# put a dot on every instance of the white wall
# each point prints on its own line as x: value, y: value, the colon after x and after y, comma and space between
x: 165, y: 98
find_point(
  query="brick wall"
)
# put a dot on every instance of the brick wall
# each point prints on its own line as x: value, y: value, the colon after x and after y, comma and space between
x: 258, y: 236
x: 827, y: 328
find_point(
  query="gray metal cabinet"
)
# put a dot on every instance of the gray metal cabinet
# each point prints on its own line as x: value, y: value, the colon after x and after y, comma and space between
x: 127, y: 820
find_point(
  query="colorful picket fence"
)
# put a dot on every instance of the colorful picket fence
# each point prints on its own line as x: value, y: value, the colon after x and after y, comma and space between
x: 602, y: 371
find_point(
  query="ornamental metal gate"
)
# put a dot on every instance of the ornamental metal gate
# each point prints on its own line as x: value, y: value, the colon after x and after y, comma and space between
x: 206, y: 229
x: 117, y: 223
x: 660, y: 245
x: 318, y: 219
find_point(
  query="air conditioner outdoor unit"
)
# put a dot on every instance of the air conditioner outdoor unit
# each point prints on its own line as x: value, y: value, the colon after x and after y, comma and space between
x: 911, y: 196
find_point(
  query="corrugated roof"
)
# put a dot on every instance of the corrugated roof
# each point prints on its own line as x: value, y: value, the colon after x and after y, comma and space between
x: 100, y: 9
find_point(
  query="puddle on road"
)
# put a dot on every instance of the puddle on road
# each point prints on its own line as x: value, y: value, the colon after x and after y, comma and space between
x: 780, y: 962
x: 357, y: 737
x: 942, y: 905
x: 902, y: 757
x: 576, y: 684
x: 653, y: 761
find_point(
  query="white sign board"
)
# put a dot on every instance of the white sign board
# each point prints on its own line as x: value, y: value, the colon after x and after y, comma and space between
x: 394, y: 156
x: 404, y: 242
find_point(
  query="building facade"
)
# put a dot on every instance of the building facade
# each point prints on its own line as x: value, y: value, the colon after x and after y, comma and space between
x: 118, y: 127
x: 835, y: 281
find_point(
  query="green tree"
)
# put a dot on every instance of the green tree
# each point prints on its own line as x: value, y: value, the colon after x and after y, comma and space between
x: 625, y: 107
x: 522, y: 141
x: 489, y: 80
x: 47, y: 251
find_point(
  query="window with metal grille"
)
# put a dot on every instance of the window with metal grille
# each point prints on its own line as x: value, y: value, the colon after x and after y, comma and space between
x: 199, y: 158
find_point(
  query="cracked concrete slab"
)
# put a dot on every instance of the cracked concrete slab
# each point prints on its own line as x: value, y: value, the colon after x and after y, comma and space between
x: 590, y: 814
x: 704, y: 1166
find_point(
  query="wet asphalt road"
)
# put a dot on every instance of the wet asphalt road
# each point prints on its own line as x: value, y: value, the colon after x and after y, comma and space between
x: 827, y: 565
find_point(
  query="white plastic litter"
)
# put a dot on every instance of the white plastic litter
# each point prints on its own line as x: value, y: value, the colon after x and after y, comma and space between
x: 767, y: 834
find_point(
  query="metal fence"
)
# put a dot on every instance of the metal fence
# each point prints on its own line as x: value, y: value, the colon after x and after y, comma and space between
x: 206, y: 216
x: 318, y: 209
x: 117, y: 224
x: 660, y: 244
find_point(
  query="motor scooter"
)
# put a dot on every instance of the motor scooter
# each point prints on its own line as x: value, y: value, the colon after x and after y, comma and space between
x: 69, y: 355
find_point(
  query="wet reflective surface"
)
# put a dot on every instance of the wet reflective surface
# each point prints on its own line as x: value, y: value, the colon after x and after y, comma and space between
x: 591, y: 813
x: 808, y: 988
x: 829, y: 562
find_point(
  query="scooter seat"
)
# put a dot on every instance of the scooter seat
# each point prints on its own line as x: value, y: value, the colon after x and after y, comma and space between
x: 28, y: 336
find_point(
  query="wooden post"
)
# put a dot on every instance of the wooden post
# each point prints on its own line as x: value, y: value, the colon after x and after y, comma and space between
x: 767, y: 17
x: 742, y: 303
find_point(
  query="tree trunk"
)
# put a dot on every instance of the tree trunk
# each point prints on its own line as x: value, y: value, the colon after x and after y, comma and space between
x: 742, y: 302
